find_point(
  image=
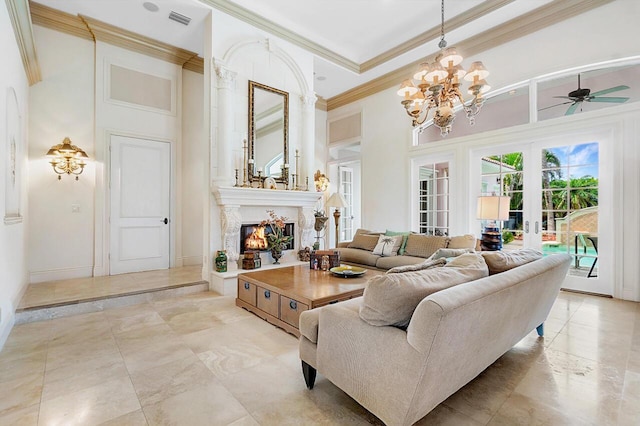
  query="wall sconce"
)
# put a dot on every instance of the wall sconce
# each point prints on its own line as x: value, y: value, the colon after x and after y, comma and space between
x: 321, y: 181
x: 67, y: 158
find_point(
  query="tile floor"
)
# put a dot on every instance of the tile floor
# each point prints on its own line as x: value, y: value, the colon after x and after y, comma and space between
x: 199, y: 360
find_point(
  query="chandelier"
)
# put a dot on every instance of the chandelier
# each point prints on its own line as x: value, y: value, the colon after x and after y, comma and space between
x: 438, y: 87
x: 67, y: 159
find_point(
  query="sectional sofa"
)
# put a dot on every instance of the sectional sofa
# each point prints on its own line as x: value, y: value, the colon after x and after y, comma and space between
x: 415, y: 338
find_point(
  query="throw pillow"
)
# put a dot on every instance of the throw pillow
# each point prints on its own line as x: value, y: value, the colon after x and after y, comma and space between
x: 424, y: 245
x: 466, y: 241
x: 390, y: 299
x: 427, y: 264
x: 447, y: 252
x: 500, y: 261
x: 364, y: 242
x: 388, y: 245
x: 469, y: 260
x: 405, y: 236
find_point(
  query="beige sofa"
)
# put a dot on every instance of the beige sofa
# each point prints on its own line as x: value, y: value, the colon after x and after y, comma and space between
x: 418, y: 248
x: 452, y: 336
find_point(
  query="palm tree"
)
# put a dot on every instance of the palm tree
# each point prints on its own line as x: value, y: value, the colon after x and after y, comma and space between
x: 583, y: 193
x: 550, y: 171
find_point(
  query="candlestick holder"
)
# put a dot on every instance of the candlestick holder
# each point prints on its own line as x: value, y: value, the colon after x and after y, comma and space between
x: 236, y: 178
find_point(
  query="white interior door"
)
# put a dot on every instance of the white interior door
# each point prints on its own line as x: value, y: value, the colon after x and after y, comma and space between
x: 558, y: 196
x: 140, y: 205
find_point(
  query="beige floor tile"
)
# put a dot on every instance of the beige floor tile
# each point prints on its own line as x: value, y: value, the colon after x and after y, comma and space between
x: 225, y: 359
x: 20, y: 393
x: 23, y: 417
x: 263, y: 384
x: 245, y: 421
x: 132, y: 318
x: 204, y: 405
x: 575, y: 386
x: 188, y: 322
x: 159, y: 383
x: 140, y: 338
x: 70, y: 355
x: 82, y: 374
x: 446, y: 416
x: 630, y: 404
x: 155, y: 354
x: 94, y: 405
x: 521, y: 410
x: 30, y: 363
x: 134, y: 418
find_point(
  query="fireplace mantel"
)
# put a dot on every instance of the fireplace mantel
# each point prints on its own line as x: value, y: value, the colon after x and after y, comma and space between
x: 238, y: 196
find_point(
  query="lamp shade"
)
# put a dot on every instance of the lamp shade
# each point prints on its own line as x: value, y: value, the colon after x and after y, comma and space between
x: 493, y: 207
x: 336, y: 200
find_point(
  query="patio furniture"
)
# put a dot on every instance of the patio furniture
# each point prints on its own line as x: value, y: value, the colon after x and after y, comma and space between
x: 582, y: 237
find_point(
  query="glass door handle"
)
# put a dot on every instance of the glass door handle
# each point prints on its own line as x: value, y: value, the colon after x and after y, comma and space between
x: 526, y: 227
x: 537, y: 227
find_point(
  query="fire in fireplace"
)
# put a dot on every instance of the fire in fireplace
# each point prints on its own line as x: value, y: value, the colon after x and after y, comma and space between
x: 253, y: 237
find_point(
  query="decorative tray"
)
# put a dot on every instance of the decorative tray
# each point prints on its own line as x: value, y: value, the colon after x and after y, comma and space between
x: 347, y: 271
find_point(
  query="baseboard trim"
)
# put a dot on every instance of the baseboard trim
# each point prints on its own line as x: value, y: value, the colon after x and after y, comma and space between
x: 60, y: 274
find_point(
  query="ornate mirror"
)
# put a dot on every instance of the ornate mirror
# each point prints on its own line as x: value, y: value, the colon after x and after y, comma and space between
x: 268, y: 133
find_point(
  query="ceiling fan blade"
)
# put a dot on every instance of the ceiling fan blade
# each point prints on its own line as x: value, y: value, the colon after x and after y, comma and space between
x: 572, y: 109
x: 553, y: 106
x: 566, y: 97
x: 610, y: 99
x: 610, y: 90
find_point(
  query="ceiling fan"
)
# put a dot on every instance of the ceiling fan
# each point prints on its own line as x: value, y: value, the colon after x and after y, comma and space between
x: 580, y: 95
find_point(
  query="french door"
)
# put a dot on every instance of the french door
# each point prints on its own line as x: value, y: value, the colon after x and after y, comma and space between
x: 346, y: 189
x: 140, y: 205
x: 558, y: 198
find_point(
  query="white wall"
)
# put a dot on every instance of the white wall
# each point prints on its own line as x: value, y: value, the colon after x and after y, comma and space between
x: 13, y: 244
x: 62, y: 104
x: 194, y: 163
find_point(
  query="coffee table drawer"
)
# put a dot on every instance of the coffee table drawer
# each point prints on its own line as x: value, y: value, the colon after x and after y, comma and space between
x: 268, y: 301
x: 290, y: 310
x: 247, y: 292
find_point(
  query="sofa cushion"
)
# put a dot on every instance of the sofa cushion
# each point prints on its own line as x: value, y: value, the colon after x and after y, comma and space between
x: 364, y: 242
x: 466, y: 241
x: 390, y: 299
x: 500, y: 261
x: 362, y: 257
x: 388, y: 245
x: 424, y: 245
x: 405, y: 236
x: 426, y: 264
x: 448, y: 252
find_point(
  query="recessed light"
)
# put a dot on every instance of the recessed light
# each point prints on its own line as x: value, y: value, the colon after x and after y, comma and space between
x: 321, y: 78
x: 151, y: 7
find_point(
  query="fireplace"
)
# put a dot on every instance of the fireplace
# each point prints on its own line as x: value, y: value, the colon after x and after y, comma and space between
x: 253, y: 237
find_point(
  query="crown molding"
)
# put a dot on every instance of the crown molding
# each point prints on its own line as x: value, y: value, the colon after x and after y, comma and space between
x: 195, y: 64
x: 321, y: 104
x: 92, y: 29
x: 23, y: 31
x: 535, y: 20
x: 258, y: 21
x: 458, y: 21
x: 113, y: 35
x: 54, y: 19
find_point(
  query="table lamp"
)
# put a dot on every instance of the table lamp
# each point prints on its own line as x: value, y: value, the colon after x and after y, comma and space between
x: 493, y: 208
x: 336, y: 200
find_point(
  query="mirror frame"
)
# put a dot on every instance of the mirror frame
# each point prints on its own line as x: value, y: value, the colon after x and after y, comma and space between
x: 252, y: 176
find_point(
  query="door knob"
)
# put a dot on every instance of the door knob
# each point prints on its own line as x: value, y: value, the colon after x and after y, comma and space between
x: 165, y: 220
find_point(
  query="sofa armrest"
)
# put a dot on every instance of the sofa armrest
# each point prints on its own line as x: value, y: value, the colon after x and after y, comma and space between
x: 309, y: 319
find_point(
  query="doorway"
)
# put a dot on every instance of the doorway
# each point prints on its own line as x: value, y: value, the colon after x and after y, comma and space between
x: 558, y: 201
x: 140, y: 204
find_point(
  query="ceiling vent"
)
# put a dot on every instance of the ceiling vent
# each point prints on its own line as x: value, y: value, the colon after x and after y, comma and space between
x: 175, y: 16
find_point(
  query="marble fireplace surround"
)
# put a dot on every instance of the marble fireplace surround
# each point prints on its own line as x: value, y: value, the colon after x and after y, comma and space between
x: 240, y: 206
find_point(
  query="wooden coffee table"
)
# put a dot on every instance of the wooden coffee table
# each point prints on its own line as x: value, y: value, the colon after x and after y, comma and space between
x: 280, y: 295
